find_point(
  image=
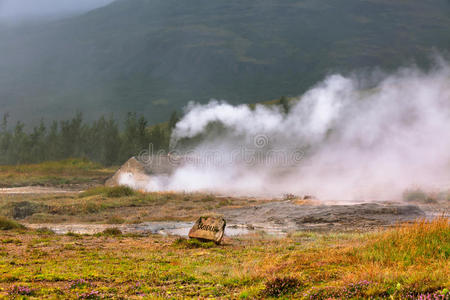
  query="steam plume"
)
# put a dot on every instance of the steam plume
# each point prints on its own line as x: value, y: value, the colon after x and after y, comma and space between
x: 358, y: 140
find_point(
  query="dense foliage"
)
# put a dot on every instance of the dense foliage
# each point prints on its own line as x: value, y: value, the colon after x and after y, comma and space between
x: 101, y: 141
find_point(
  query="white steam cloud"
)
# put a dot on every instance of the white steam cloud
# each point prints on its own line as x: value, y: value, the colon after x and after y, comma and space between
x: 341, y: 140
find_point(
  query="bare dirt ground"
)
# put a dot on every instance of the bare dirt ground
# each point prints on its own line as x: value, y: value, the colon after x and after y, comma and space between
x: 287, y: 216
x: 35, y: 190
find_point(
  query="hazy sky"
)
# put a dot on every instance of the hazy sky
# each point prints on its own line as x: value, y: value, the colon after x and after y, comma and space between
x: 22, y: 10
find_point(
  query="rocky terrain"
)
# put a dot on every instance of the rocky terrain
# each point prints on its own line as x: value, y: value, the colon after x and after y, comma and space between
x: 288, y: 216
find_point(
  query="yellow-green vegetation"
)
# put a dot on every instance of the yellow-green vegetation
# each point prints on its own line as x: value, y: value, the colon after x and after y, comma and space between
x: 7, y: 224
x: 400, y: 263
x: 111, y: 192
x: 422, y: 197
x: 409, y: 245
x: 113, y: 205
x: 54, y: 173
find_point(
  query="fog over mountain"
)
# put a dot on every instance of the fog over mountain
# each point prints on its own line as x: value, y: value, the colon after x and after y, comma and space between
x: 154, y: 56
x: 19, y: 11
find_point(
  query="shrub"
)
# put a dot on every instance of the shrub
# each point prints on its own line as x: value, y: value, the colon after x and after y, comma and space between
x: 418, y: 196
x: 193, y: 243
x: 281, y: 285
x: 21, y: 290
x: 208, y: 198
x: 290, y: 197
x: 115, y: 220
x: 23, y: 209
x: 120, y: 191
x: 92, y: 207
x: 224, y: 202
x: 7, y: 224
x: 112, y: 192
x: 112, y: 231
x: 45, y: 230
x: 73, y: 234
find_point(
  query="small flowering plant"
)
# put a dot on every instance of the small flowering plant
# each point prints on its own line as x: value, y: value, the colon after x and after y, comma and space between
x: 281, y: 285
x: 91, y: 295
x: 21, y: 290
x: 136, y: 289
x: 354, y: 289
x: 439, y: 295
x: 79, y: 283
x: 349, y: 291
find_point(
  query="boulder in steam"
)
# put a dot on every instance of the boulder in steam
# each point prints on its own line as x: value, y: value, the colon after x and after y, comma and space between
x: 208, y: 228
x: 132, y: 173
x: 138, y: 172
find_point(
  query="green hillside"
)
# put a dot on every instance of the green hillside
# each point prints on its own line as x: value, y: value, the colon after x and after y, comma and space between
x: 153, y: 56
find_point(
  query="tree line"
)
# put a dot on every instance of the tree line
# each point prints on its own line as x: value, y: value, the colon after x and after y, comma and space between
x: 102, y: 141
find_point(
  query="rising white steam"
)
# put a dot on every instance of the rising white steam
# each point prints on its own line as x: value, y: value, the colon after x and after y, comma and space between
x: 341, y: 140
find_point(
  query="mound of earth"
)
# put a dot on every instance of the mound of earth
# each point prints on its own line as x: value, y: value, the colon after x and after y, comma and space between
x: 137, y: 171
x: 289, y: 216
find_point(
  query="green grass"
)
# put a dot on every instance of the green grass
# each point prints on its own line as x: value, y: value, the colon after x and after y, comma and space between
x: 7, y: 224
x: 193, y: 243
x: 114, y: 205
x: 111, y: 192
x: 54, y: 173
x: 51, y: 167
x: 111, y: 232
x: 411, y: 244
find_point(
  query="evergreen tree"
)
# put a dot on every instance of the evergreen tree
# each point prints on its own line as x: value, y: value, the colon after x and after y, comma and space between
x: 101, y: 141
x: 284, y: 102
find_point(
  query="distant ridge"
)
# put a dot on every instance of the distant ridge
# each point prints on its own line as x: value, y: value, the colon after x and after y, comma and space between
x: 153, y: 56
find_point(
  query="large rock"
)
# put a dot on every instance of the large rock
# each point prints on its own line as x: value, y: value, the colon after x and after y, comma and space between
x: 137, y: 172
x: 210, y: 228
x: 133, y: 171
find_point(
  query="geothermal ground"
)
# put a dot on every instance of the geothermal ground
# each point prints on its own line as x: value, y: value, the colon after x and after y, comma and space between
x: 82, y: 242
x: 174, y: 213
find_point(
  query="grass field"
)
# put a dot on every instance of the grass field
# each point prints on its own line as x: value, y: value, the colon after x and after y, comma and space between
x: 97, y: 204
x: 400, y: 263
x: 58, y: 173
x: 114, y: 206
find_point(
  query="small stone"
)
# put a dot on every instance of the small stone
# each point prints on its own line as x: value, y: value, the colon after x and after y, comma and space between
x: 208, y: 228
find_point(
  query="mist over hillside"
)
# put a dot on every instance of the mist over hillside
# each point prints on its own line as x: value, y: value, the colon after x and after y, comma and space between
x: 153, y: 56
x: 18, y: 12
